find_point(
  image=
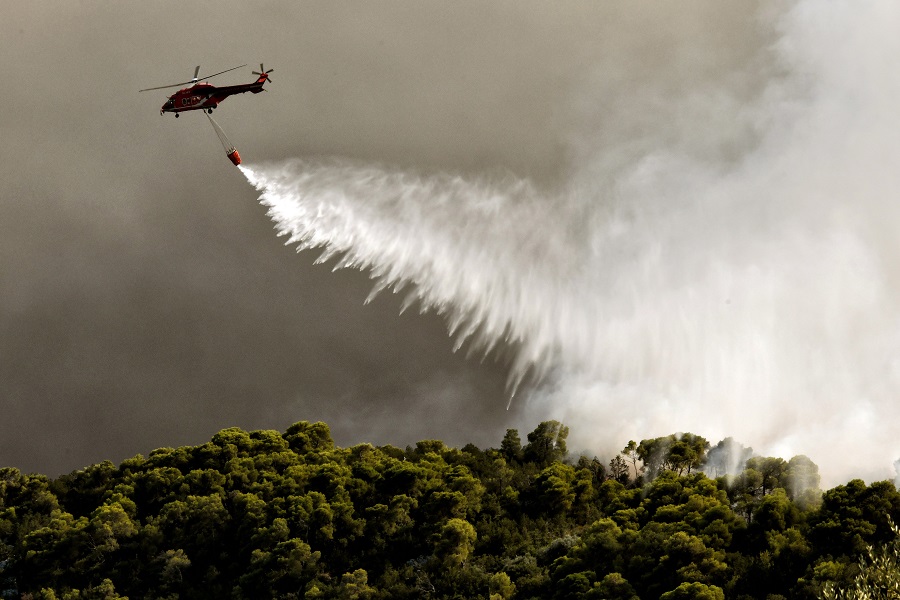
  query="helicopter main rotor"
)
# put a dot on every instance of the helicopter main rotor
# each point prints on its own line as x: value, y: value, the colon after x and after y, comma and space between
x: 194, y: 80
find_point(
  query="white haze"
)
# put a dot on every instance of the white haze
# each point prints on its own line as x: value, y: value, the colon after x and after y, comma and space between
x: 677, y: 281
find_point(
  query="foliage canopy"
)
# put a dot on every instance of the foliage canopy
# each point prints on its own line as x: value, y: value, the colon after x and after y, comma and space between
x: 292, y: 515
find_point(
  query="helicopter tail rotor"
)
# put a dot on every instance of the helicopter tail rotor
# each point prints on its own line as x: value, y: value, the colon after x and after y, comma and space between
x: 263, y: 73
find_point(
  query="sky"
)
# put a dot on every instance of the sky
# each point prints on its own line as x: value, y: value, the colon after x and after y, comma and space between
x: 145, y: 299
x: 635, y: 206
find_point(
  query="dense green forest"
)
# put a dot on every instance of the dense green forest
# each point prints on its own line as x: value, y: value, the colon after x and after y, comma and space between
x: 263, y: 514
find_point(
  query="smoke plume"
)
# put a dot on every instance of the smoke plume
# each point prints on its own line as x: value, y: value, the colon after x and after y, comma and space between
x: 722, y: 262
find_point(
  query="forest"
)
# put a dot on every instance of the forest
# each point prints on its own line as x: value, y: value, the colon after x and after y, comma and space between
x: 263, y: 514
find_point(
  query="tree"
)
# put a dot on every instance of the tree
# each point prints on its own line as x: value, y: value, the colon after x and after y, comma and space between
x: 618, y: 469
x: 501, y: 587
x: 355, y: 586
x: 594, y: 467
x: 305, y: 437
x: 878, y: 577
x: 853, y: 516
x: 574, y: 585
x: 600, y: 547
x: 612, y: 587
x: 688, y: 452
x: 694, y: 591
x: 803, y: 481
x: 547, y: 443
x: 554, y: 488
x: 775, y: 513
x: 630, y: 452
x: 511, y: 446
x: 288, y: 566
x: 680, y: 453
x: 455, y: 542
x: 772, y: 471
x: 727, y: 458
x: 174, y: 562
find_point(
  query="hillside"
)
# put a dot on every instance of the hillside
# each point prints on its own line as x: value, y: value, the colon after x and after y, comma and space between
x: 264, y: 514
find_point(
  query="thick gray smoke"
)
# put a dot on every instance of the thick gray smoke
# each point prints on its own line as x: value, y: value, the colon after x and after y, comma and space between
x: 723, y: 262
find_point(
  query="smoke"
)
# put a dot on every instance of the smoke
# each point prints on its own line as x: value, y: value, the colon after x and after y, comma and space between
x: 724, y: 265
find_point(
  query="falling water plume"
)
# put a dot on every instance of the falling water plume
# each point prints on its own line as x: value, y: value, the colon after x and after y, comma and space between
x: 752, y: 296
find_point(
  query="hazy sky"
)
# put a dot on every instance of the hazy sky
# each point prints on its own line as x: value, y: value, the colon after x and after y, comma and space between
x: 146, y: 300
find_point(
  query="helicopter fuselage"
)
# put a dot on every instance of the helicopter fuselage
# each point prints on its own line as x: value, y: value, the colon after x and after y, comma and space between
x: 205, y: 96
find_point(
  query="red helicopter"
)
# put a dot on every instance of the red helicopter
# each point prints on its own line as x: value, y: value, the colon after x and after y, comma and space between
x: 205, y: 96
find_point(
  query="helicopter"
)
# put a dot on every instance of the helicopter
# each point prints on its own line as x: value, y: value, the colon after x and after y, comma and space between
x: 205, y: 96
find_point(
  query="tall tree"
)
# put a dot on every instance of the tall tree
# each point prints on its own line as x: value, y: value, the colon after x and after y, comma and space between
x: 803, y: 481
x: 630, y: 452
x: 547, y: 443
x: 511, y: 446
x: 680, y: 453
x: 618, y: 469
x: 728, y: 457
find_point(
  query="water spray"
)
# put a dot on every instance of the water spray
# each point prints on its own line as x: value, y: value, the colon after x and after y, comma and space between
x: 753, y: 298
